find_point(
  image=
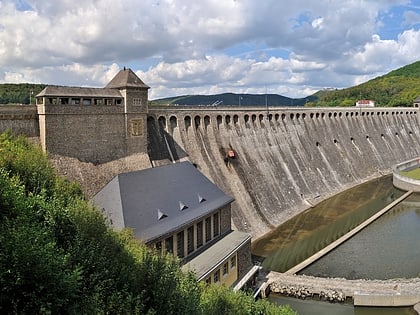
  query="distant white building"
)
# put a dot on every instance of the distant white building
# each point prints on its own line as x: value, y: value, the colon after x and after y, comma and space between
x: 365, y: 103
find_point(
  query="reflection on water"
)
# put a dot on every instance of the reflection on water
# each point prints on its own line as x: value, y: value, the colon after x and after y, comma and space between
x: 309, y: 307
x: 379, y: 251
x: 307, y: 233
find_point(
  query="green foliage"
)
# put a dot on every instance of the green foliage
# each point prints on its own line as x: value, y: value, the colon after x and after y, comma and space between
x: 226, y: 99
x: 217, y: 300
x: 21, y: 159
x: 57, y: 255
x: 22, y: 93
x: 398, y: 88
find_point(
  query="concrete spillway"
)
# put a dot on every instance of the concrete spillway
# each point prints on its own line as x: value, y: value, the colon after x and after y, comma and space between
x: 286, y: 159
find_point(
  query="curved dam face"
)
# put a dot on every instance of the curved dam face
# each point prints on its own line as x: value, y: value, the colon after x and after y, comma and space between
x: 285, y: 159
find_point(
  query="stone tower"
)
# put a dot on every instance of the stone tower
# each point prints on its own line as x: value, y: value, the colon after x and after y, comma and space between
x: 95, y: 124
x: 135, y: 94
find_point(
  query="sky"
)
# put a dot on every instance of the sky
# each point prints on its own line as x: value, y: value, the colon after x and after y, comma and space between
x: 179, y: 47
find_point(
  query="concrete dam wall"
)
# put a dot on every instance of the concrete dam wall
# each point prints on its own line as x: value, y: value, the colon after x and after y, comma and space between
x: 286, y: 159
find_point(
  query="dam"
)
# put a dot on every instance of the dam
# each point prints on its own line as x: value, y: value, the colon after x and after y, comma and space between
x: 286, y: 159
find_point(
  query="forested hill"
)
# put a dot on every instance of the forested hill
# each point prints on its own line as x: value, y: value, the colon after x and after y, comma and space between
x: 397, y: 88
x: 228, y: 99
x: 22, y: 93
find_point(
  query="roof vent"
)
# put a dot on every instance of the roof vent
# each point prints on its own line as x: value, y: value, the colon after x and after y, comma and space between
x: 201, y: 199
x: 161, y: 215
x: 182, y: 206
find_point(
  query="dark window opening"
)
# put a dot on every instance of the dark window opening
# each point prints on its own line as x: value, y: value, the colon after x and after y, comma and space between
x: 215, y: 224
x: 190, y: 239
x: 169, y: 244
x: 208, y: 229
x: 180, y: 244
x: 199, y: 234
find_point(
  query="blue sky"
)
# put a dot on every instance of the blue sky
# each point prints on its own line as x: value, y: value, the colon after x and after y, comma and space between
x: 293, y: 48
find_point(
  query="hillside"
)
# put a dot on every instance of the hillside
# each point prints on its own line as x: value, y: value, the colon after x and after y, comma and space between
x: 397, y: 88
x: 59, y: 256
x: 232, y: 99
x: 22, y: 93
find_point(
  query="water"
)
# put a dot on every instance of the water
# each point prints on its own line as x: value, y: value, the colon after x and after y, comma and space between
x: 307, y: 233
x: 310, y: 307
x: 378, y: 251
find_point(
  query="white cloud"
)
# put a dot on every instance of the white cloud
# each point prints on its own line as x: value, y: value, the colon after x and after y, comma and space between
x: 184, y: 47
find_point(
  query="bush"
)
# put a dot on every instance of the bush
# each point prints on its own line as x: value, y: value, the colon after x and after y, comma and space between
x: 57, y: 255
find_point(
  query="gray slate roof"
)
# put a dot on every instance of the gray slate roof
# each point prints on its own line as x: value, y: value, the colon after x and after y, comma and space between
x: 126, y: 78
x: 123, y: 79
x: 157, y: 201
x: 215, y: 255
x: 70, y: 91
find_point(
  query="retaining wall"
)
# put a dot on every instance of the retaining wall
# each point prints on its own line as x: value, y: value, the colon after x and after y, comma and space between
x: 403, y: 182
x: 19, y: 119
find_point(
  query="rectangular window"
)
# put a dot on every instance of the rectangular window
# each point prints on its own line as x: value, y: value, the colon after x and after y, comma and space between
x: 233, y: 262
x: 208, y: 229
x: 64, y: 100
x: 199, y: 234
x: 136, y: 101
x: 169, y: 244
x: 52, y: 101
x: 208, y: 281
x: 225, y: 269
x: 108, y: 102
x: 216, y: 276
x: 190, y: 239
x: 158, y: 246
x: 75, y: 101
x: 180, y: 244
x: 87, y: 101
x: 215, y: 224
x: 98, y: 101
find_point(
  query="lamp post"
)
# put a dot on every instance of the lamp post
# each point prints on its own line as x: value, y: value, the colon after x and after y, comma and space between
x: 266, y: 103
x: 31, y: 92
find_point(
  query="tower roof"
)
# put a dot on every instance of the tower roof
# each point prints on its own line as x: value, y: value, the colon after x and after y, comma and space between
x: 126, y: 78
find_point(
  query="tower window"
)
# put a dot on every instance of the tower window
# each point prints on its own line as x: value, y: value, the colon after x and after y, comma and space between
x: 136, y: 101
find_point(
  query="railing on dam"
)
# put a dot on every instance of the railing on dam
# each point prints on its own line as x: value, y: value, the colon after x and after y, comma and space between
x: 406, y: 182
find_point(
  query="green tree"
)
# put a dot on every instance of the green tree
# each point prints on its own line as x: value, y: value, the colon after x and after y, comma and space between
x: 57, y: 254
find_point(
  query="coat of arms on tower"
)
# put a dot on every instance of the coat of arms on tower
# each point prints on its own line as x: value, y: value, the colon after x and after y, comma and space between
x: 136, y: 127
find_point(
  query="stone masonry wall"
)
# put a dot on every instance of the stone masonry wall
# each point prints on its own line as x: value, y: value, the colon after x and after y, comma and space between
x: 244, y: 259
x: 286, y: 159
x: 95, y: 134
x: 19, y: 119
x: 225, y: 220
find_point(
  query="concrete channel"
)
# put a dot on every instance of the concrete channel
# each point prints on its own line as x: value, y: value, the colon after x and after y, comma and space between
x: 395, y: 292
x: 346, y: 236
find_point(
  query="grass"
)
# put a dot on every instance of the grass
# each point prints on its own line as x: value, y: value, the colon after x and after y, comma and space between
x: 413, y: 174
